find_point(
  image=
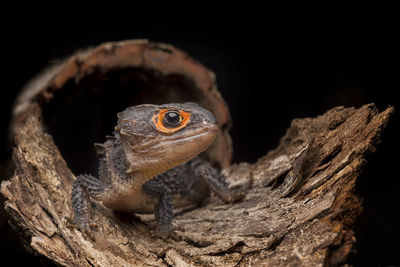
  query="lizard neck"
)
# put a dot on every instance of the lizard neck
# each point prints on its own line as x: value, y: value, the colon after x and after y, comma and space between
x: 124, y: 171
x: 140, y: 177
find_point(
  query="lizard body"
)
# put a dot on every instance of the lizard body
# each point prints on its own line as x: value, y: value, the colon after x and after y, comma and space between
x: 152, y: 164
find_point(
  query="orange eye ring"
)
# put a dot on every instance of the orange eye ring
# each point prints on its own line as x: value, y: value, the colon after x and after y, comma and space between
x: 184, y: 118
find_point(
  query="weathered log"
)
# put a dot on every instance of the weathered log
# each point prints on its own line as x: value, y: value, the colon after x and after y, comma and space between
x: 300, y: 210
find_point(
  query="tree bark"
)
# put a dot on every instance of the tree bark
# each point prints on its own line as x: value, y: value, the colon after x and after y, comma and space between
x: 299, y: 211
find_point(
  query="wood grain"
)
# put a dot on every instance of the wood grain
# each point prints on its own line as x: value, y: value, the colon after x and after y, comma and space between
x: 299, y: 211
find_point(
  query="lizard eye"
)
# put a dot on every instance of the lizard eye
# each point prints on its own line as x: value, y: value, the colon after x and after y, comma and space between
x: 172, y: 119
x: 169, y: 121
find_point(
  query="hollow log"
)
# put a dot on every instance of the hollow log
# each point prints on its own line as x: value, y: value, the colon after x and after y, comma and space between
x: 300, y: 210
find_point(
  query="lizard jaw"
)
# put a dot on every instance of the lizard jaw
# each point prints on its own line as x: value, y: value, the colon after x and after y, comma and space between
x: 163, y: 153
x: 184, y: 147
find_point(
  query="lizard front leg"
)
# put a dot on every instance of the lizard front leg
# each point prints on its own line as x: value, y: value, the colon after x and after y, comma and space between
x: 85, y: 186
x: 216, y: 181
x: 163, y: 210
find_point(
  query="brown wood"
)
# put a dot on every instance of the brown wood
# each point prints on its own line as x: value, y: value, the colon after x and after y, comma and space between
x: 300, y: 210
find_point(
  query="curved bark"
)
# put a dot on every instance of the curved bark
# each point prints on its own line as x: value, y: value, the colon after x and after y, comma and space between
x: 300, y: 209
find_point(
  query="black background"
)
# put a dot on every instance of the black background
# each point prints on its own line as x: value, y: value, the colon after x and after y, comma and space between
x: 269, y: 71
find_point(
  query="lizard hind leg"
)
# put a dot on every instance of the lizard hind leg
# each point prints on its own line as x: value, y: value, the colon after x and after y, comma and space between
x: 85, y: 186
x: 216, y: 181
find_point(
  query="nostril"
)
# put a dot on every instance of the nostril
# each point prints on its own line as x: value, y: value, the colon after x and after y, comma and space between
x: 207, y: 121
x: 210, y: 120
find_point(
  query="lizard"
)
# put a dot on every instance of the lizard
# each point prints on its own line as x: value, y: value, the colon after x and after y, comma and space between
x: 154, y: 163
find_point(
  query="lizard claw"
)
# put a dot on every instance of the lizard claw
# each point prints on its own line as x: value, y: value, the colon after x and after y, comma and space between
x: 86, y: 228
x: 167, y: 231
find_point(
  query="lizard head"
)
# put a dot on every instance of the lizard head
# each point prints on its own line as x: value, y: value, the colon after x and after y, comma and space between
x: 156, y: 138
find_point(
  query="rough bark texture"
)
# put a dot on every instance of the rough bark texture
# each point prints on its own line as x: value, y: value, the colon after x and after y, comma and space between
x: 300, y: 209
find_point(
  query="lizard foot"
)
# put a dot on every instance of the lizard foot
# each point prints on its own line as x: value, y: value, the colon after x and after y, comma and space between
x: 240, y: 193
x: 234, y: 195
x: 86, y: 228
x: 164, y: 231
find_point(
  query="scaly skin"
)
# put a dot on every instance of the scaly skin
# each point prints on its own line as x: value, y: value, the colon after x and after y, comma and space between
x: 151, y: 164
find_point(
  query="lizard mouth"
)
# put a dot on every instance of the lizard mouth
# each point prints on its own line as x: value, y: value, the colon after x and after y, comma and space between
x: 202, y: 135
x: 198, y: 134
x: 193, y: 137
x: 198, y: 131
x: 189, y: 144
